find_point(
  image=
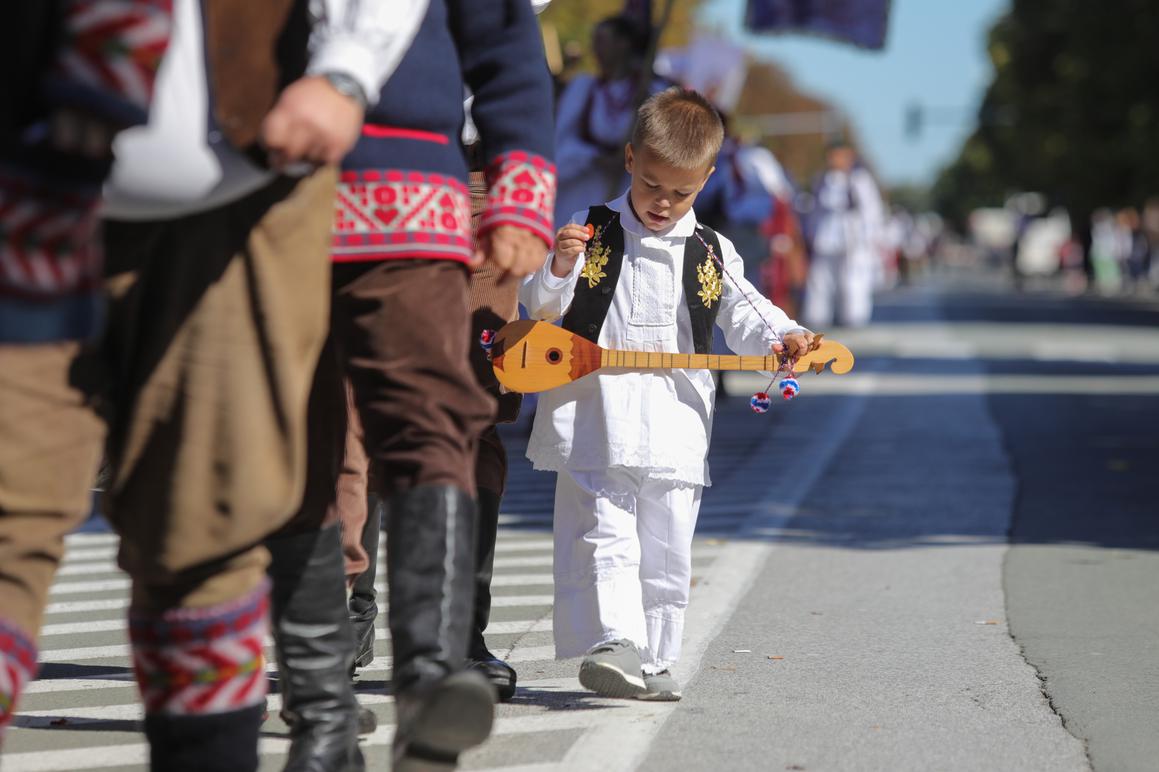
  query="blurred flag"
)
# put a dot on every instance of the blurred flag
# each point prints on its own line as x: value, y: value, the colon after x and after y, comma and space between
x: 860, y: 22
x: 713, y: 66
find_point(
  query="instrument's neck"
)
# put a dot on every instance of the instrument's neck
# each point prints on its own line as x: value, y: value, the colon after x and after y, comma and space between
x: 643, y: 360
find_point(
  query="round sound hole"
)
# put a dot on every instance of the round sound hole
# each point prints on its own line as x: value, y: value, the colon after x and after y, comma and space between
x: 554, y: 356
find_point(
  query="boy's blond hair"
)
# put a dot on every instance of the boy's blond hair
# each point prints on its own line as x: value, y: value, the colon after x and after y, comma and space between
x: 680, y: 127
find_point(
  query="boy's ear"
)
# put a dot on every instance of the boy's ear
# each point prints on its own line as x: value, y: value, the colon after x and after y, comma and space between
x: 711, y: 169
x: 629, y: 160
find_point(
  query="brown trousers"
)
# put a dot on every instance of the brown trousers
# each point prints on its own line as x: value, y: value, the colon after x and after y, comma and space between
x: 492, y: 305
x: 399, y: 335
x: 215, y: 324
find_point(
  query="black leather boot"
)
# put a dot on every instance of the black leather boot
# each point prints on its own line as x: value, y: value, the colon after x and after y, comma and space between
x: 441, y: 709
x: 363, y: 596
x: 479, y: 657
x: 315, y: 648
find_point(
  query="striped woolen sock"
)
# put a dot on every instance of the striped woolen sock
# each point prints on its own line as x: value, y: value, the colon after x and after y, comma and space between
x: 17, y: 666
x: 201, y: 661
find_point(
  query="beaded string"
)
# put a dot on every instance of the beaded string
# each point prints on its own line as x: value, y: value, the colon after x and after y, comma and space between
x: 760, y: 401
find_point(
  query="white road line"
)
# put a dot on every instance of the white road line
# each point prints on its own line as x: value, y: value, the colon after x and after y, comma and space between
x: 621, y: 746
x: 78, y: 606
x: 117, y: 604
x: 138, y: 753
x: 902, y: 384
x: 89, y: 586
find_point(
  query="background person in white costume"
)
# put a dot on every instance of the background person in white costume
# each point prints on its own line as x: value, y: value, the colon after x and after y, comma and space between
x: 845, y: 237
x: 631, y: 447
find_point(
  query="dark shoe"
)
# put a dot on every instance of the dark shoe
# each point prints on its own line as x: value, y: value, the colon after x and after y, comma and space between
x: 499, y: 673
x: 496, y: 671
x: 363, y: 596
x: 217, y: 742
x: 315, y: 648
x: 430, y: 574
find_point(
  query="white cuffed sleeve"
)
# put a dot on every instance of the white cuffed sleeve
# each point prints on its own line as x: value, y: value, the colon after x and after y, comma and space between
x: 365, y: 39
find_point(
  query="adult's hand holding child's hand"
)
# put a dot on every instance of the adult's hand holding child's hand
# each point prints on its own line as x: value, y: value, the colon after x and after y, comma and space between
x: 570, y: 242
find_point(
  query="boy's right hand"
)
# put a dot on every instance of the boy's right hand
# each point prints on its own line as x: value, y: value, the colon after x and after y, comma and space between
x: 570, y: 242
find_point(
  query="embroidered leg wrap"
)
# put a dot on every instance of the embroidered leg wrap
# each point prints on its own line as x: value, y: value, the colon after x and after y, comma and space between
x: 17, y: 665
x: 203, y: 681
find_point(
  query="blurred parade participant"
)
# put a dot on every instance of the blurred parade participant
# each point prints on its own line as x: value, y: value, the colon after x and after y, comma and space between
x: 400, y: 322
x: 1104, y: 250
x: 595, y: 114
x: 494, y: 302
x: 215, y: 277
x: 1151, y: 232
x: 630, y: 449
x: 844, y: 237
x: 57, y: 121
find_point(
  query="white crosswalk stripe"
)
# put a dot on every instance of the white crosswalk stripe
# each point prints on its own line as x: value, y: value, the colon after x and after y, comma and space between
x: 87, y: 699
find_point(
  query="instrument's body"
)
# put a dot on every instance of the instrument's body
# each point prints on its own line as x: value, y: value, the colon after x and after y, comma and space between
x: 530, y: 356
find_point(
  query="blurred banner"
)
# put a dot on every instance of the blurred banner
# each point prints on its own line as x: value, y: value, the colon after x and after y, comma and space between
x: 860, y: 22
x: 713, y: 66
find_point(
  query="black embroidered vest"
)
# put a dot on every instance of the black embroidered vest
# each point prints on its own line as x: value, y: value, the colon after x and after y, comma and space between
x: 605, y: 256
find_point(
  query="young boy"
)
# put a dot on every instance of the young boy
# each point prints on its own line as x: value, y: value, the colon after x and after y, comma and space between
x: 631, y: 447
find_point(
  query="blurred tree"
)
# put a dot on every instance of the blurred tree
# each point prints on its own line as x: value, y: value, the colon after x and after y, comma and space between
x: 571, y: 24
x: 769, y: 90
x: 1072, y: 111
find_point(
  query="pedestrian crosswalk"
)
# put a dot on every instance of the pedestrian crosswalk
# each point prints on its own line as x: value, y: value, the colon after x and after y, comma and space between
x: 83, y: 712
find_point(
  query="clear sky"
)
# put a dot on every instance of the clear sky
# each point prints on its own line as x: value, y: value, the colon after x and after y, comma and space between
x: 935, y: 54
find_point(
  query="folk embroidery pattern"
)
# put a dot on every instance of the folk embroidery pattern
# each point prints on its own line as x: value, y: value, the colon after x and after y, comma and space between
x: 710, y: 281
x: 597, y: 258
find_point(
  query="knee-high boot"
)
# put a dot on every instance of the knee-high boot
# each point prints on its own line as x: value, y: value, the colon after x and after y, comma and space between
x: 479, y: 657
x: 315, y: 649
x: 363, y: 596
x: 442, y: 709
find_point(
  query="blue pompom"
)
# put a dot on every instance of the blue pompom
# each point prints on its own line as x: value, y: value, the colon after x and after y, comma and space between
x: 760, y: 402
x: 789, y: 388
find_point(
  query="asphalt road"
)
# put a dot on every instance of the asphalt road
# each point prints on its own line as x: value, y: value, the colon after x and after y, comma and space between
x: 945, y: 560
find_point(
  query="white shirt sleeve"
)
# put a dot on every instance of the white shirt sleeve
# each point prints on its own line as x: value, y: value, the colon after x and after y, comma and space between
x: 750, y: 321
x: 546, y: 296
x: 365, y: 39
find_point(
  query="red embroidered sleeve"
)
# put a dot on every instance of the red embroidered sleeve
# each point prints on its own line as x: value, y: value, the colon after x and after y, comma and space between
x: 520, y: 192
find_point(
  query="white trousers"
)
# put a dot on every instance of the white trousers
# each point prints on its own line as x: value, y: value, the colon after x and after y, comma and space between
x: 623, y: 562
x: 839, y: 288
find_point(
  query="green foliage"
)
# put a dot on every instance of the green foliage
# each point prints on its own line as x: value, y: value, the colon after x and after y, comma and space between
x: 1072, y: 112
x: 571, y: 22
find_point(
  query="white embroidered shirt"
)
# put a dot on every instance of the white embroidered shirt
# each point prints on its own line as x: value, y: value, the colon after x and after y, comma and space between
x: 656, y: 421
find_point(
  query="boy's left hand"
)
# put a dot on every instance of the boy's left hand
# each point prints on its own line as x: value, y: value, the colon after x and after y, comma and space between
x: 795, y: 344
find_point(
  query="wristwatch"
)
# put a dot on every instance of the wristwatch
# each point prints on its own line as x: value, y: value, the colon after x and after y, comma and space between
x: 347, y: 86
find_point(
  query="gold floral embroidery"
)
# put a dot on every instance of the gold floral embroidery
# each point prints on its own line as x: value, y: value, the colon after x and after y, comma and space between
x: 710, y: 284
x: 595, y: 260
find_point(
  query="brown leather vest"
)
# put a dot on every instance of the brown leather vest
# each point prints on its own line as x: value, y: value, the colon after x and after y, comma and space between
x: 254, y: 49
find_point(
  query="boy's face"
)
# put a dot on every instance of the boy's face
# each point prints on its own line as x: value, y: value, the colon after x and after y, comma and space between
x: 661, y: 193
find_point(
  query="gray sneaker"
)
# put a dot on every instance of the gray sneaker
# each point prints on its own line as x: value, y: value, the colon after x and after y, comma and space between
x: 662, y: 687
x: 612, y: 669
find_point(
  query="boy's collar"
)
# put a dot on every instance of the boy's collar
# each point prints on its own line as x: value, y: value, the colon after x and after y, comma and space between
x: 681, y: 229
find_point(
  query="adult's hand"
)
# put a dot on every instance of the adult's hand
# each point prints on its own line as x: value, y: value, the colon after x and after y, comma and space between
x: 312, y: 122
x: 516, y: 252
